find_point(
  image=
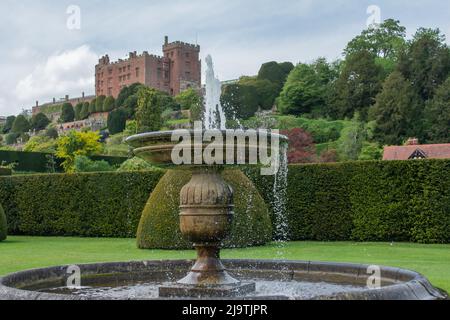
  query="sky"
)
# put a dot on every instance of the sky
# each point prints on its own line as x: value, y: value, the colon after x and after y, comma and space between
x: 50, y: 48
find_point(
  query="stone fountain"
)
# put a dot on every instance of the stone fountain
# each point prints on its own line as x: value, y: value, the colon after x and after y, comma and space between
x: 206, y: 213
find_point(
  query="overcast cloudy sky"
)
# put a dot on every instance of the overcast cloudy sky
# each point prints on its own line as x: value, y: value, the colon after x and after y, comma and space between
x: 41, y: 58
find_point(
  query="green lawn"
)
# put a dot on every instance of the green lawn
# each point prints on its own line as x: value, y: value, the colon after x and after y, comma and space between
x: 19, y: 253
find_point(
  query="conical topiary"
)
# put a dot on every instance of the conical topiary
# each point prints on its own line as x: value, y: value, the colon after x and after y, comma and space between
x: 159, y: 227
x: 3, y: 224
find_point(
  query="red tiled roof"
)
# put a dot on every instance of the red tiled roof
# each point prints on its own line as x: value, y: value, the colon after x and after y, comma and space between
x: 432, y: 151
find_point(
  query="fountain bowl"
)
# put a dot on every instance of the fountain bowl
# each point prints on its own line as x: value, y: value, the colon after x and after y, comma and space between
x: 275, y: 280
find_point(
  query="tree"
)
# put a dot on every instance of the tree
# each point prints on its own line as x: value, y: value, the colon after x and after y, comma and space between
x: 426, y: 62
x: 239, y: 101
x: 84, y: 113
x: 76, y: 143
x: 52, y: 133
x: 127, y: 92
x: 306, y: 88
x: 99, y: 103
x: 9, y: 123
x: 67, y: 113
x: 117, y: 120
x: 437, y: 115
x: 78, y: 111
x: 301, y: 146
x: 397, y: 111
x: 109, y: 104
x: 265, y: 91
x: 188, y: 98
x: 39, y: 122
x: 275, y: 72
x: 151, y: 104
x: 20, y: 125
x: 351, y: 141
x: 384, y: 40
x: 357, y: 86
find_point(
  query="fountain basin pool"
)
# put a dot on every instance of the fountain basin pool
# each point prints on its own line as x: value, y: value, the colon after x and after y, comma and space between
x: 286, y: 280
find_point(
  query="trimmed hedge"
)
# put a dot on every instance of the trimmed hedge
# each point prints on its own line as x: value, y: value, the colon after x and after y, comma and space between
x: 367, y: 201
x: 160, y: 223
x: 3, y: 224
x: 362, y: 201
x: 37, y: 161
x: 91, y: 205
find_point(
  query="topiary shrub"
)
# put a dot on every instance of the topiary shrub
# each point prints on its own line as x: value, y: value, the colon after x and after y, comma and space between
x: 159, y: 225
x: 3, y: 224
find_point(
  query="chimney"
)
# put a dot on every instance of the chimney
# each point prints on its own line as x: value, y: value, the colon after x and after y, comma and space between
x: 37, y: 104
x: 166, y: 40
x: 82, y: 95
x: 67, y: 97
x: 54, y: 100
x: 412, y: 142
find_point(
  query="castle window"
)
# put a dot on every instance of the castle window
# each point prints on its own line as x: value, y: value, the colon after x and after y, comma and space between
x: 187, y: 54
x: 128, y: 76
x: 188, y: 64
x: 109, y: 91
x: 137, y: 72
x: 188, y: 74
x: 129, y: 67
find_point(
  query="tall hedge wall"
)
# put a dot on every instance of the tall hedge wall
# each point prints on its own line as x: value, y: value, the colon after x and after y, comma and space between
x: 37, y: 161
x: 363, y: 201
x: 95, y: 205
x: 367, y: 201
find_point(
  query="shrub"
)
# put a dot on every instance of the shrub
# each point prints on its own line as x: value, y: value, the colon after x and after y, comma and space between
x: 39, y: 122
x: 85, y: 204
x: 3, y: 224
x: 11, y: 138
x: 108, y: 104
x: 136, y: 164
x: 84, y: 164
x: 40, y: 144
x: 99, y: 103
x: 159, y: 225
x: 77, y: 144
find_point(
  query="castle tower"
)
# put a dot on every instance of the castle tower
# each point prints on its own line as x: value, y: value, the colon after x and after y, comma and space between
x: 185, y: 65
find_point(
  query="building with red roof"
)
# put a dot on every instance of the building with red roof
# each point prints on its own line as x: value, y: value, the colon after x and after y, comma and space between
x: 413, y: 150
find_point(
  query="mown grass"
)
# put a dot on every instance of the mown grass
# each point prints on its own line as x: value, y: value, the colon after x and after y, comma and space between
x: 21, y: 253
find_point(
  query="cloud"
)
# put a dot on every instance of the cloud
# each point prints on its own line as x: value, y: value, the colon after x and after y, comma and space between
x: 69, y: 72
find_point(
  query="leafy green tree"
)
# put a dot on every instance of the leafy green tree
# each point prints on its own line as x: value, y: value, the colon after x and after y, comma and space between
x: 99, y: 102
x: 127, y: 92
x: 385, y: 40
x: 39, y: 122
x: 239, y: 101
x: 21, y: 125
x: 275, y: 72
x: 151, y: 104
x: 117, y: 120
x: 9, y: 123
x: 357, y: 86
x: 78, y: 111
x: 109, y: 104
x: 351, y: 141
x: 397, y: 111
x: 437, y: 115
x: 67, y: 113
x: 188, y: 98
x: 75, y: 144
x: 84, y: 113
x: 52, y: 133
x: 265, y: 91
x: 306, y: 88
x: 40, y: 143
x: 426, y: 62
x: 11, y: 138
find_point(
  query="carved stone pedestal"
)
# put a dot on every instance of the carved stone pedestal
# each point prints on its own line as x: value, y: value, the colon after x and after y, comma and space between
x: 205, y: 219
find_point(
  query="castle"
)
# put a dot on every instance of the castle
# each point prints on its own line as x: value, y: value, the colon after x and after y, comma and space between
x: 177, y: 70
